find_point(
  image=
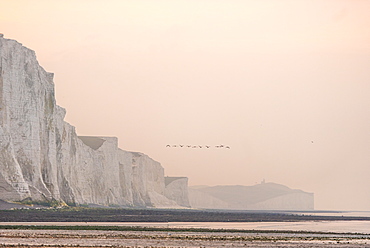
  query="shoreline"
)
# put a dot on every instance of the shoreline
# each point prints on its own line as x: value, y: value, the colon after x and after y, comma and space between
x: 94, y: 227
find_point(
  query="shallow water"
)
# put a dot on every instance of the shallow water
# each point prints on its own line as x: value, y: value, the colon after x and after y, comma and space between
x: 317, y: 226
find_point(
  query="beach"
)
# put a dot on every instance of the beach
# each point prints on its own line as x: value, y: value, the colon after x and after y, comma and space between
x: 173, y: 238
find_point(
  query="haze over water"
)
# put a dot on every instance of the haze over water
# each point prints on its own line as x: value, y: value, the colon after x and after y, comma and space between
x: 286, y: 84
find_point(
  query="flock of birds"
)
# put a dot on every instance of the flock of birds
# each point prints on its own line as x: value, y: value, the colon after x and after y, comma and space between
x: 192, y: 146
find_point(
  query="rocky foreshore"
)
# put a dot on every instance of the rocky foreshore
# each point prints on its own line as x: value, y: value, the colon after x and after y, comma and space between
x: 172, y: 238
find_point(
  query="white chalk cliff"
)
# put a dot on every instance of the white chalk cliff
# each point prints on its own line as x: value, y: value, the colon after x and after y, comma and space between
x: 177, y: 189
x: 42, y: 158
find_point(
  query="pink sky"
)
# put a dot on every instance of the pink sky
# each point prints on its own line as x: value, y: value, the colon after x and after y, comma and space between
x: 267, y: 77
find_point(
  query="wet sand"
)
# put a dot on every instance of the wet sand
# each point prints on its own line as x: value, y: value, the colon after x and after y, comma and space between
x: 131, y: 239
x: 307, y: 226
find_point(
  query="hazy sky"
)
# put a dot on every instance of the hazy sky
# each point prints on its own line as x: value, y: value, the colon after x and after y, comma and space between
x: 285, y: 83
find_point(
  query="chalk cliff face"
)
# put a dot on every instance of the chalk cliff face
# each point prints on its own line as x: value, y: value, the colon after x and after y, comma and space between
x: 41, y: 156
x: 177, y: 189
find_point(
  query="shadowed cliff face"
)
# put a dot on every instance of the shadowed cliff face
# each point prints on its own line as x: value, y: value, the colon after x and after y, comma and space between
x: 42, y: 158
x: 177, y: 190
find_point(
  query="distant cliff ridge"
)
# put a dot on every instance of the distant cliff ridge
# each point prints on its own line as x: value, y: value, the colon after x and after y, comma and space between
x: 42, y: 158
x: 264, y: 196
